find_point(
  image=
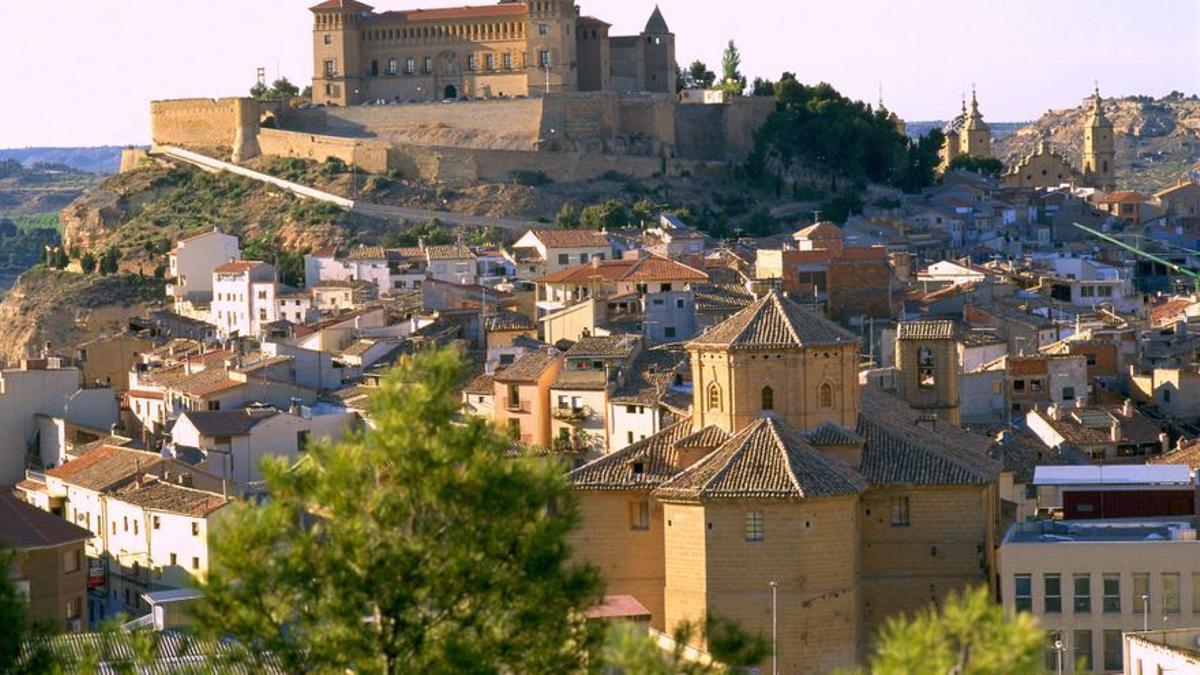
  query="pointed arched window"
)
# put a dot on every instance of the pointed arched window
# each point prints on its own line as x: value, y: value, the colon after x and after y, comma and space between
x: 768, y: 398
x: 825, y: 395
x: 714, y: 397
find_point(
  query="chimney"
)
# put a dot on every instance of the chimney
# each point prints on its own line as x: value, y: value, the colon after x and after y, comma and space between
x: 1055, y: 412
x: 1127, y: 408
x: 294, y: 408
x: 1164, y: 441
x: 185, y: 479
x: 168, y: 476
x: 137, y: 472
x: 1114, y: 431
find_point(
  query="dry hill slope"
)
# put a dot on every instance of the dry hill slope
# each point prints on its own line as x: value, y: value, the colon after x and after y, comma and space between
x: 1157, y: 140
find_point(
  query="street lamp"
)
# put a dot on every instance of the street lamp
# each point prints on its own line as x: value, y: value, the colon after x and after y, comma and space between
x: 1145, y: 611
x: 1059, y: 648
x: 774, y: 628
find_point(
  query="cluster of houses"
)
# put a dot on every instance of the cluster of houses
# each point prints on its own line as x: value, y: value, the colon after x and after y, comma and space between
x: 956, y: 388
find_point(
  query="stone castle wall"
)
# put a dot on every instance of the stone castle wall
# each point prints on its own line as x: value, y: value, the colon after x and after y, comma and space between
x: 368, y: 155
x: 717, y: 132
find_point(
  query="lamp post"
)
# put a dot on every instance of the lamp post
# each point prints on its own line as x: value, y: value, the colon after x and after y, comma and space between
x: 1059, y: 648
x: 1145, y: 612
x: 774, y: 628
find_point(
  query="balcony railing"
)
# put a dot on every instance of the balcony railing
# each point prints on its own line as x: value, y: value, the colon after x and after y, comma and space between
x: 570, y: 414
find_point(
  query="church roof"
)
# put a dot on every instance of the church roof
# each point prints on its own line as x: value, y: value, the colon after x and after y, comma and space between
x: 774, y: 322
x: 765, y: 460
x: 643, y: 465
x: 657, y: 25
x: 925, y: 330
x: 828, y: 433
x: 1097, y: 118
x: 900, y: 450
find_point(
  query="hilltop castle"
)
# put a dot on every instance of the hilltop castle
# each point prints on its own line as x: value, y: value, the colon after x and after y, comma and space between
x: 509, y: 49
x: 969, y: 135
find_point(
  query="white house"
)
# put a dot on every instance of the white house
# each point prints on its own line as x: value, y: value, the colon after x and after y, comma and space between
x: 231, y: 444
x: 192, y: 262
x: 40, y: 386
x: 243, y: 298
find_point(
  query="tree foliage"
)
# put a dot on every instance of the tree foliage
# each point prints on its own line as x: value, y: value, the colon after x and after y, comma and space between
x: 984, y: 166
x: 411, y: 547
x: 699, y: 76
x: 279, y: 89
x: 567, y: 217
x: 88, y: 263
x: 732, y: 79
x: 607, y: 215
x: 627, y: 649
x: 969, y: 635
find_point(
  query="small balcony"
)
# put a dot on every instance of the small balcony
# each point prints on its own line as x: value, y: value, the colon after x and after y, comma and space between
x: 571, y: 414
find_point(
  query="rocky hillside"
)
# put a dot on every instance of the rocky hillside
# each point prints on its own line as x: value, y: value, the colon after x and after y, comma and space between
x: 1157, y: 140
x: 64, y: 309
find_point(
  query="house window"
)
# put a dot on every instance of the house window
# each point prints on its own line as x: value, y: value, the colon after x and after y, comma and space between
x: 471, y: 62
x: 564, y: 259
x: 74, y: 608
x: 665, y: 288
x: 1035, y: 385
x: 489, y: 62
x: 71, y: 561
x: 1018, y: 385
x: 1083, y: 593
x: 174, y: 560
x: 428, y: 64
x: 1112, y: 593
x: 768, y: 398
x: 214, y: 405
x: 543, y: 29
x: 1166, y: 395
x: 391, y: 67
x: 544, y: 58
x: 1068, y: 393
x: 328, y: 39
x: 506, y: 59
x: 825, y: 396
x: 135, y: 528
x: 1083, y: 651
x: 1052, y: 583
x: 631, y: 409
x: 714, y: 397
x: 156, y: 526
x: 639, y: 516
x: 410, y: 65
x: 754, y: 526
x: 925, y: 368
x: 195, y: 529
x: 678, y: 303
x: 330, y: 68
x: 1114, y: 656
x: 900, y: 512
x: 195, y: 562
x: 669, y: 332
x: 1023, y: 592
x: 1170, y: 593
x: 514, y: 397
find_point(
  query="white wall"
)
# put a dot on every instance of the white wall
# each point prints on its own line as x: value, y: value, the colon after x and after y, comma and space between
x: 193, y: 262
x: 641, y: 423
x: 23, y: 394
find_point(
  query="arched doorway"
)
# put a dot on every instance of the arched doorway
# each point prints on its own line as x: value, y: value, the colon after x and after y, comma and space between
x: 451, y: 92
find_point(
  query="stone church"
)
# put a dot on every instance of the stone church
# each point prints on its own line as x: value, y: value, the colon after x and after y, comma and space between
x: 969, y: 135
x: 853, y: 504
x: 513, y: 48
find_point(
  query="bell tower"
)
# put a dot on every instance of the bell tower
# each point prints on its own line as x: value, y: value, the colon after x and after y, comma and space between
x: 927, y: 358
x: 976, y: 134
x: 1099, y: 148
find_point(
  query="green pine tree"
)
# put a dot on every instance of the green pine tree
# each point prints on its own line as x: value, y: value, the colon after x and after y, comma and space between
x: 410, y: 547
x: 970, y: 635
x: 732, y: 79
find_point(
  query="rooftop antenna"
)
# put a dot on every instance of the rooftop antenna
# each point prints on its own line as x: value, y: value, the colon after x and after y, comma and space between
x: 261, y: 75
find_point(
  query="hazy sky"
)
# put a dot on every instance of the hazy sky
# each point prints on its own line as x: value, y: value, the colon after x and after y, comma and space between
x: 81, y: 72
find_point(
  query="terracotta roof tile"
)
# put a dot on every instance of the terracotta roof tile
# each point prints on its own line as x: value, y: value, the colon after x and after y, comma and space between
x: 828, y: 433
x: 105, y: 467
x: 925, y: 330
x: 159, y: 495
x: 572, y: 238
x: 238, y: 267
x: 529, y: 367
x: 774, y: 322
x: 642, y: 270
x: 24, y: 526
x: 766, y: 460
x: 605, y: 346
x: 641, y: 466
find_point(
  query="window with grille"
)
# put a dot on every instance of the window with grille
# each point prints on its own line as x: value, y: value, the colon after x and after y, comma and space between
x: 754, y: 526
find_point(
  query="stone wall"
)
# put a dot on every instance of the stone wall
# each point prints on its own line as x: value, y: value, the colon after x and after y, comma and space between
x: 721, y: 132
x: 366, y: 154
x: 227, y: 123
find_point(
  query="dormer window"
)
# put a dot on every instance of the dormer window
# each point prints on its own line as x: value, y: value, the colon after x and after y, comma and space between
x: 639, y: 468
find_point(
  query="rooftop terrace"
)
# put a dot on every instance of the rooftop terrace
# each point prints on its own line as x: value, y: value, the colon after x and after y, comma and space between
x: 1181, y: 530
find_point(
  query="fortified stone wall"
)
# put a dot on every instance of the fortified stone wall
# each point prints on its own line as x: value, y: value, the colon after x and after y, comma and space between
x: 228, y: 123
x: 497, y: 124
x: 369, y: 155
x: 725, y: 131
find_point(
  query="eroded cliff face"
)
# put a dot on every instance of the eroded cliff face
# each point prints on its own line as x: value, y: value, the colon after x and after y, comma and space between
x: 1156, y: 140
x: 65, y: 308
x: 91, y: 219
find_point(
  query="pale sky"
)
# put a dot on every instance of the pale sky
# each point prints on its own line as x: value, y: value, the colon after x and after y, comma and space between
x: 81, y: 72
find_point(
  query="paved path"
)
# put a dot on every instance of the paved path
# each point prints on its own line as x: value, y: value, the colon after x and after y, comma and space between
x: 366, y: 208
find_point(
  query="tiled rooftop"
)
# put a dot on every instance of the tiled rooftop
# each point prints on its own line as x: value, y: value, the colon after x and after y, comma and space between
x: 774, y: 322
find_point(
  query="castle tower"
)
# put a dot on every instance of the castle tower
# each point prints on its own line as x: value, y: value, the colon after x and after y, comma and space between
x: 775, y: 359
x: 553, y: 48
x: 951, y: 142
x: 927, y: 358
x: 1099, y: 148
x: 337, y: 51
x: 976, y: 138
x: 659, y: 62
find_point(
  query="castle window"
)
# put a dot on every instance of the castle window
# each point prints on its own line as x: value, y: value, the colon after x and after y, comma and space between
x: 410, y: 65
x: 330, y: 68
x: 768, y: 398
x: 925, y: 368
x: 900, y: 512
x: 391, y: 67
x: 328, y: 39
x: 754, y: 526
x: 543, y: 29
x: 489, y: 62
x: 544, y: 58
x: 471, y: 62
x: 507, y: 60
x: 639, y: 516
x: 825, y: 395
x: 428, y: 64
x: 714, y: 397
